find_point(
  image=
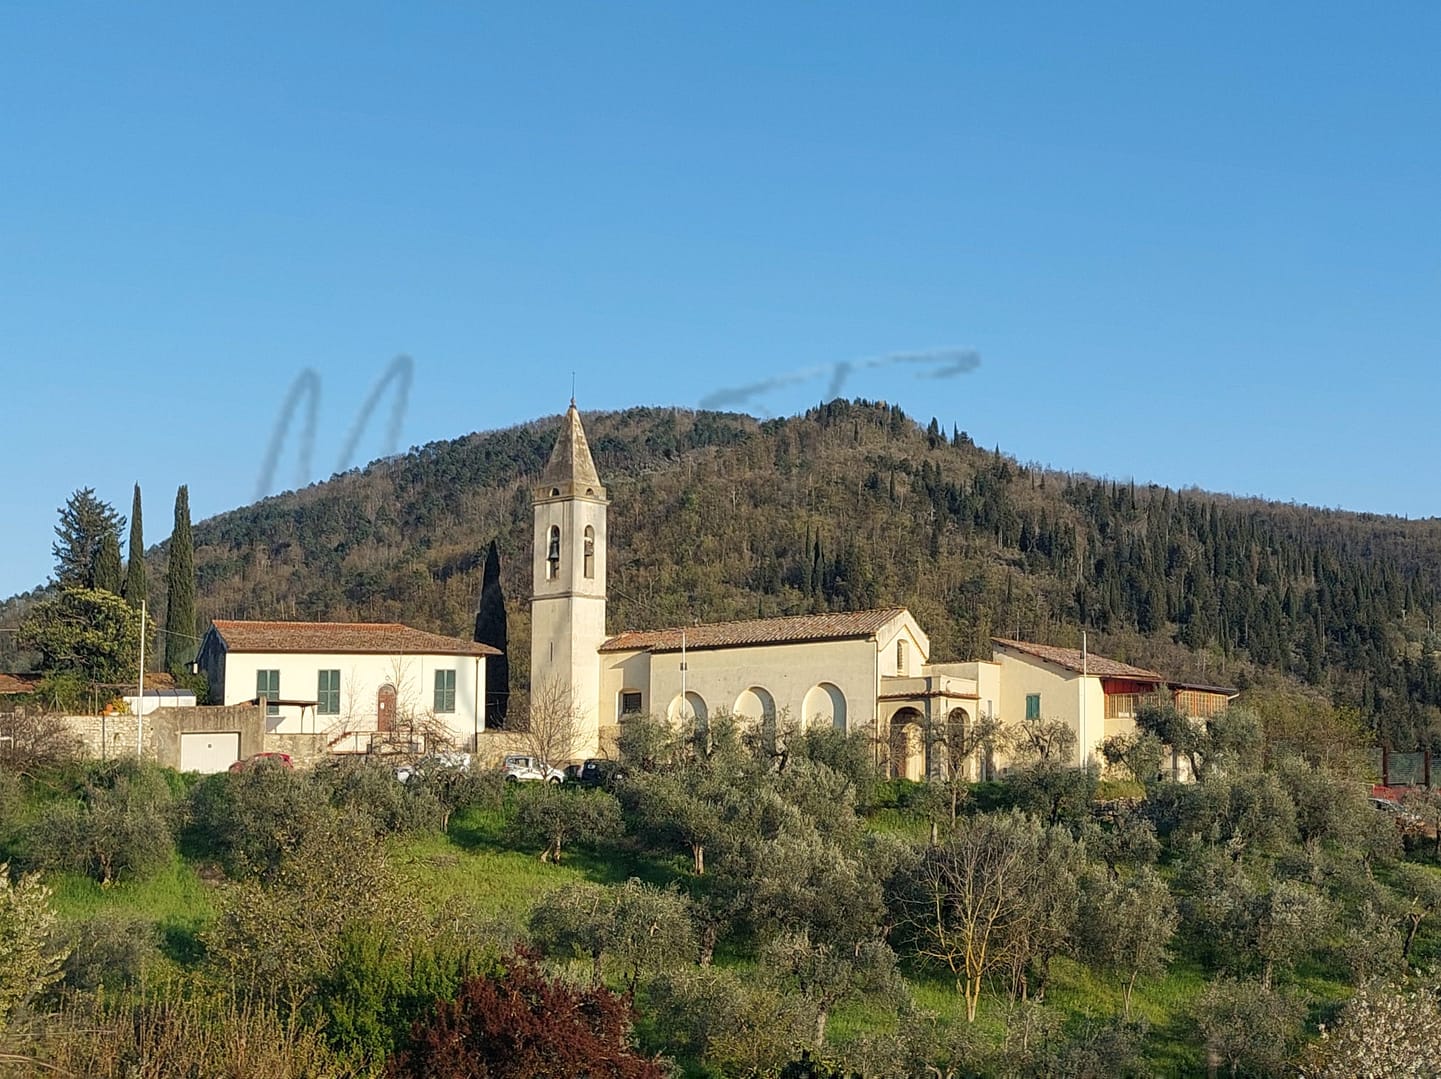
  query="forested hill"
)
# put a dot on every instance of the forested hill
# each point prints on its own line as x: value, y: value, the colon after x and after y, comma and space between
x: 851, y: 505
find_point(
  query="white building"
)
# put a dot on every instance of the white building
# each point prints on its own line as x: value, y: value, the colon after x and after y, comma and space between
x: 1096, y: 697
x: 363, y: 685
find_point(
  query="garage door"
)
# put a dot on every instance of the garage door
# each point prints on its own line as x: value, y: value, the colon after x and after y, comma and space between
x: 209, y: 752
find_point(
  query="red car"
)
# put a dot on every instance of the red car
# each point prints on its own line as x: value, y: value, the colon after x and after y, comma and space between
x: 280, y: 759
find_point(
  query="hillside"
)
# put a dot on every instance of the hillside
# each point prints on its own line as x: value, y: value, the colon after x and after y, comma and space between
x: 853, y: 504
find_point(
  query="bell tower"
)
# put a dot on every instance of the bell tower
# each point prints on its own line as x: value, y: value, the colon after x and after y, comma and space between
x: 567, y: 606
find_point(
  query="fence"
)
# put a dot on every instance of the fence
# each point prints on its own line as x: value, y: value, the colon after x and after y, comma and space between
x: 1403, y: 769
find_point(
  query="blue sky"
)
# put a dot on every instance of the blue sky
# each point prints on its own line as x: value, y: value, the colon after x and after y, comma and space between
x: 1195, y: 245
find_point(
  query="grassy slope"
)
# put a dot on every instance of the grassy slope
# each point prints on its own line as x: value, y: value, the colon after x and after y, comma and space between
x: 475, y: 873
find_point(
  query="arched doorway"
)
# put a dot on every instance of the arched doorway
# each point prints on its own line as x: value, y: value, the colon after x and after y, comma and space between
x: 907, y: 745
x: 385, y: 708
x: 951, y: 746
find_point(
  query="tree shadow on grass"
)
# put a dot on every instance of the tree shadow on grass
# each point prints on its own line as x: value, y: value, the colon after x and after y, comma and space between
x: 612, y: 862
x: 180, y: 942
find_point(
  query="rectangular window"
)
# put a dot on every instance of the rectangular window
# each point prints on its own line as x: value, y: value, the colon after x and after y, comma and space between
x: 1122, y: 705
x: 327, y: 694
x: 267, y: 685
x: 444, y: 691
x: 1033, y: 706
x: 630, y: 703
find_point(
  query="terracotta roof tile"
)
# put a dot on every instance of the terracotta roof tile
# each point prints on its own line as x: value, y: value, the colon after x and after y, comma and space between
x: 790, y: 630
x: 1070, y: 658
x: 17, y: 683
x: 384, y: 638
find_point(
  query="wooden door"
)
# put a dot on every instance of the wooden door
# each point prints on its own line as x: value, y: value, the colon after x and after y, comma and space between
x: 385, y: 708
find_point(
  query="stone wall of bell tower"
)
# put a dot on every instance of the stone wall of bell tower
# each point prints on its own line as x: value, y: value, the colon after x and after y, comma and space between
x: 568, y: 571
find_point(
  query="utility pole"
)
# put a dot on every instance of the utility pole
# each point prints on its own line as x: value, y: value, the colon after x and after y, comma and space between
x: 1085, y: 689
x: 140, y: 691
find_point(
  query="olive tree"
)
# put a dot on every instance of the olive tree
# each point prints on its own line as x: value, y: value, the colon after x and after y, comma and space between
x: 1249, y: 1027
x: 554, y: 818
x: 971, y: 902
x: 1125, y: 925
x: 29, y: 960
x: 637, y: 926
x: 825, y: 973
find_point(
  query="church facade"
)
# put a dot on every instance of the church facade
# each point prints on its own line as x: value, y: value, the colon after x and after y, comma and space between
x: 863, y: 670
x: 852, y: 671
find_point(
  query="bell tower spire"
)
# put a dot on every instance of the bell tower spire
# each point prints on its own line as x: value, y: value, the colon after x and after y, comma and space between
x: 568, y: 571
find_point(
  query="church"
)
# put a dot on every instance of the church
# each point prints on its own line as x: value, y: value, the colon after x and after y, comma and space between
x: 861, y: 670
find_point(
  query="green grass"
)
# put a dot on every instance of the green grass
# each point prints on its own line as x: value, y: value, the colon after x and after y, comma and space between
x: 476, y: 868
x: 176, y: 899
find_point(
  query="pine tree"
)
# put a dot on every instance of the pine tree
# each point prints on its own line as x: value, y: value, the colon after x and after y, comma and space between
x: 134, y: 590
x: 490, y: 628
x: 105, y: 576
x: 180, y: 589
x: 84, y: 523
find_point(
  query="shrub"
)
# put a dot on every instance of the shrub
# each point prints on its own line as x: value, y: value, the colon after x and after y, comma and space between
x: 110, y: 951
x: 29, y: 961
x: 123, y: 826
x: 369, y: 787
x: 379, y: 987
x: 172, y: 1034
x: 250, y: 819
x: 1384, y: 1031
x: 519, y: 1023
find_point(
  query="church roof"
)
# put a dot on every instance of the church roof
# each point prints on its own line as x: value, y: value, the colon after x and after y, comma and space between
x: 383, y: 638
x: 571, y: 468
x: 794, y: 629
x: 1071, y: 659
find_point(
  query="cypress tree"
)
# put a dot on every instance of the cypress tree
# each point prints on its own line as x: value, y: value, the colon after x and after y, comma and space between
x: 180, y: 589
x: 490, y: 628
x: 134, y: 590
x: 105, y: 575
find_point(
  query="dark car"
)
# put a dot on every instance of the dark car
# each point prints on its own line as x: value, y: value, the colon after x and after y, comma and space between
x: 599, y: 772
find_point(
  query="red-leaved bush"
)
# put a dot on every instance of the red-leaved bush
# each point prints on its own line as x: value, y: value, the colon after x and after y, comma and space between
x: 521, y: 1024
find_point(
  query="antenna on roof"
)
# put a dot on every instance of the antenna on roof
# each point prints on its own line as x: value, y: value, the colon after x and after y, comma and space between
x: 572, y: 389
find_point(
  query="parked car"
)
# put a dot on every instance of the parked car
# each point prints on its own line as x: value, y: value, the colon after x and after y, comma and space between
x: 600, y: 772
x: 522, y: 768
x: 1405, y: 819
x: 281, y: 760
x: 435, y: 762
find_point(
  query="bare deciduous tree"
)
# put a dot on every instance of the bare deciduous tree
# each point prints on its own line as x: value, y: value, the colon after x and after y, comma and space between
x: 554, y: 726
x: 972, y: 899
x: 31, y: 739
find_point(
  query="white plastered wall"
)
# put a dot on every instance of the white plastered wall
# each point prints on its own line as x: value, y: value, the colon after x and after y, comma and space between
x: 361, y: 676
